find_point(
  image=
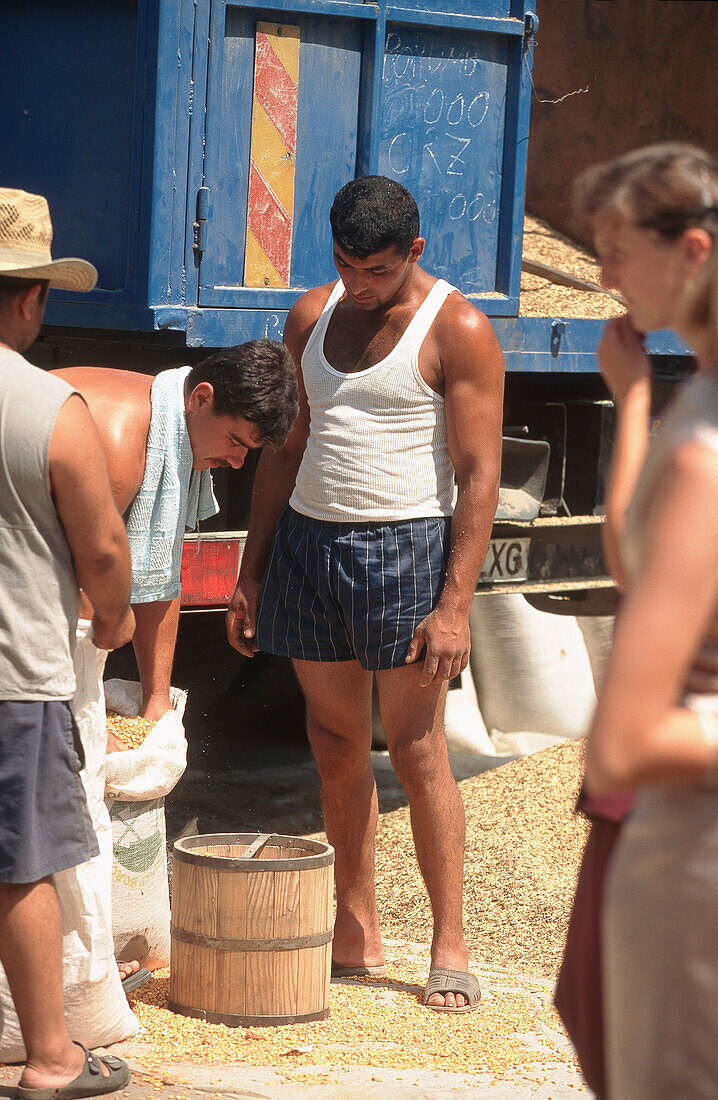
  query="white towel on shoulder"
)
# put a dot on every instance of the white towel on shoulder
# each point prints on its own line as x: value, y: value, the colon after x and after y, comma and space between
x: 172, y: 497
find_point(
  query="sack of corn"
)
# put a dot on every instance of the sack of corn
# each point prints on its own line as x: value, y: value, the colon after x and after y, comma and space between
x: 96, y: 1007
x: 532, y: 672
x: 136, y: 782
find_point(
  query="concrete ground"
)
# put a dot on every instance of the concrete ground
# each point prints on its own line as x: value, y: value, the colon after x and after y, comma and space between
x: 250, y: 769
x: 554, y: 1076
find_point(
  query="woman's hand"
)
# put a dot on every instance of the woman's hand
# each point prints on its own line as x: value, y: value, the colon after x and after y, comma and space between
x: 622, y: 358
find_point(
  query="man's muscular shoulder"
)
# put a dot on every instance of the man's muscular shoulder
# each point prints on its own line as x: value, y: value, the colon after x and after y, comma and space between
x: 459, y: 321
x: 461, y: 342
x: 303, y: 316
x: 119, y: 402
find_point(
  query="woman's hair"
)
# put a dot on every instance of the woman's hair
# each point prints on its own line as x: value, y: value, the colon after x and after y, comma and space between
x: 697, y: 311
x: 668, y: 188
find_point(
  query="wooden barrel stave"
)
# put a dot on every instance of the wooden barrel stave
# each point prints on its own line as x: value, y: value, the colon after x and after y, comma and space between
x: 273, y: 983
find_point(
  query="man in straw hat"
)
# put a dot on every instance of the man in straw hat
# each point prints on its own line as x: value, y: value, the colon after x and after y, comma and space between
x: 59, y: 529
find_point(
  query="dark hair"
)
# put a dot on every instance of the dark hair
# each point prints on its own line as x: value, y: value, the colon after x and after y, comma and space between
x: 372, y: 213
x: 669, y: 187
x: 12, y: 287
x: 256, y: 380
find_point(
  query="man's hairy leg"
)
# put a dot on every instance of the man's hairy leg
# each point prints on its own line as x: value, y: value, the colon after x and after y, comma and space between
x: 31, y: 952
x: 338, y: 698
x: 413, y: 719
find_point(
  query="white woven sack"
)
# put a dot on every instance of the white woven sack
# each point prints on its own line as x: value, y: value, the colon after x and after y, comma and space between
x: 597, y: 633
x: 136, y: 783
x: 532, y: 674
x: 140, y: 891
x: 96, y: 1007
x: 153, y: 769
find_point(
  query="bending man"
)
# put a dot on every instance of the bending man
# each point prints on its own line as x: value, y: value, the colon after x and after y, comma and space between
x: 368, y: 575
x: 161, y: 437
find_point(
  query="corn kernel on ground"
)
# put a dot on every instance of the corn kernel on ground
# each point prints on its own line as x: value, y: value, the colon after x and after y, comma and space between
x: 372, y: 1022
x: 523, y: 848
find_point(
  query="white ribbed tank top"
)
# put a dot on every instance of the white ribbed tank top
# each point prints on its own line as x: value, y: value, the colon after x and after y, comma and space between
x: 377, y: 447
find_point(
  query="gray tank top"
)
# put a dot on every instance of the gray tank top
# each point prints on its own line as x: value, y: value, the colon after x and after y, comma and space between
x: 39, y: 596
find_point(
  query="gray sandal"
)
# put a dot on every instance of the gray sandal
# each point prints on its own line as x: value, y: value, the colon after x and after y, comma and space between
x: 357, y: 971
x: 91, y: 1082
x: 134, y: 981
x: 443, y: 981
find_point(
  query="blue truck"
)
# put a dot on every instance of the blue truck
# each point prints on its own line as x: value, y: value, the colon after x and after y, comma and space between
x: 191, y: 149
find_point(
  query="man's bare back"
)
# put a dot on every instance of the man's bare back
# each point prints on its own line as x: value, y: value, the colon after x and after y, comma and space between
x: 119, y: 401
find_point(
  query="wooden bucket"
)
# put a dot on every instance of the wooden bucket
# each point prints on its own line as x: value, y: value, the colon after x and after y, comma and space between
x: 251, y: 928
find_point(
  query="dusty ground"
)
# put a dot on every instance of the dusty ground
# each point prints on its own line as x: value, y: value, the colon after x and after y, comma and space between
x: 523, y: 844
x: 523, y: 848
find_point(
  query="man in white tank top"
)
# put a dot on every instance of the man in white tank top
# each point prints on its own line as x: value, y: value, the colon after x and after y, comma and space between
x: 372, y: 566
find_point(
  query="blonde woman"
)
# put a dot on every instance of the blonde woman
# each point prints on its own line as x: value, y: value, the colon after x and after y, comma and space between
x: 654, y: 219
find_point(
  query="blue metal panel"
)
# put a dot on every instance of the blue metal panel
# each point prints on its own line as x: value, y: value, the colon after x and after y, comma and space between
x: 550, y: 345
x: 513, y: 184
x: 489, y: 8
x: 529, y: 343
x: 72, y: 116
x: 329, y: 76
x: 178, y: 98
x: 432, y: 18
x: 308, y: 7
x: 443, y: 126
x: 370, y: 97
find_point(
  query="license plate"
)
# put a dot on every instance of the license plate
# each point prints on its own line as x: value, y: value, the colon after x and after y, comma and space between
x: 506, y: 560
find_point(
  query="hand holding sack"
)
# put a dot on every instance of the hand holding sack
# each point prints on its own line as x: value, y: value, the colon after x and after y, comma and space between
x: 136, y: 782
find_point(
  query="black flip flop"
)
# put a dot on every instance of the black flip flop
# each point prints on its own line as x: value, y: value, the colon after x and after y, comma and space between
x: 134, y: 981
x: 91, y: 1082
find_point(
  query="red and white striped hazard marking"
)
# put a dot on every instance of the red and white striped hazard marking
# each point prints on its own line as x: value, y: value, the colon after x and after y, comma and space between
x: 270, y: 205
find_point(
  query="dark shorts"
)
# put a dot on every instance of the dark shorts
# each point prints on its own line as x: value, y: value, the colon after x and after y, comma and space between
x: 350, y: 591
x: 44, y: 823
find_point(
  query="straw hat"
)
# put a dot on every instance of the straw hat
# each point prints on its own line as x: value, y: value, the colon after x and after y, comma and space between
x: 25, y: 239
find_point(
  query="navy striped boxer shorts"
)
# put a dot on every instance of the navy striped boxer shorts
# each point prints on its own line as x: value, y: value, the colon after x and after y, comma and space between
x: 350, y: 591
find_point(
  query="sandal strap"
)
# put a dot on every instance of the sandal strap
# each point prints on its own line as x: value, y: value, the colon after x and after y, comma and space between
x: 442, y: 980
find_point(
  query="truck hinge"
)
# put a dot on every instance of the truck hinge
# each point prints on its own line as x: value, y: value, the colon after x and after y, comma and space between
x: 558, y: 328
x: 199, y: 227
x: 530, y: 24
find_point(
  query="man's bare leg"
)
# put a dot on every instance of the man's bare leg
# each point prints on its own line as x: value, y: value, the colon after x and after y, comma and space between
x: 31, y: 952
x: 338, y: 698
x: 413, y: 719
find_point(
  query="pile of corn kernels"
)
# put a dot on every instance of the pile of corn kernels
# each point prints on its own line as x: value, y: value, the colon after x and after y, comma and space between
x: 130, y: 732
x: 373, y: 1022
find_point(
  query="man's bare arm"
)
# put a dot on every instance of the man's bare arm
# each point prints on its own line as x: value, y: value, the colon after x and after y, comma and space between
x: 642, y: 732
x: 92, y: 524
x: 473, y: 370
x: 273, y: 485
x: 154, y: 644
